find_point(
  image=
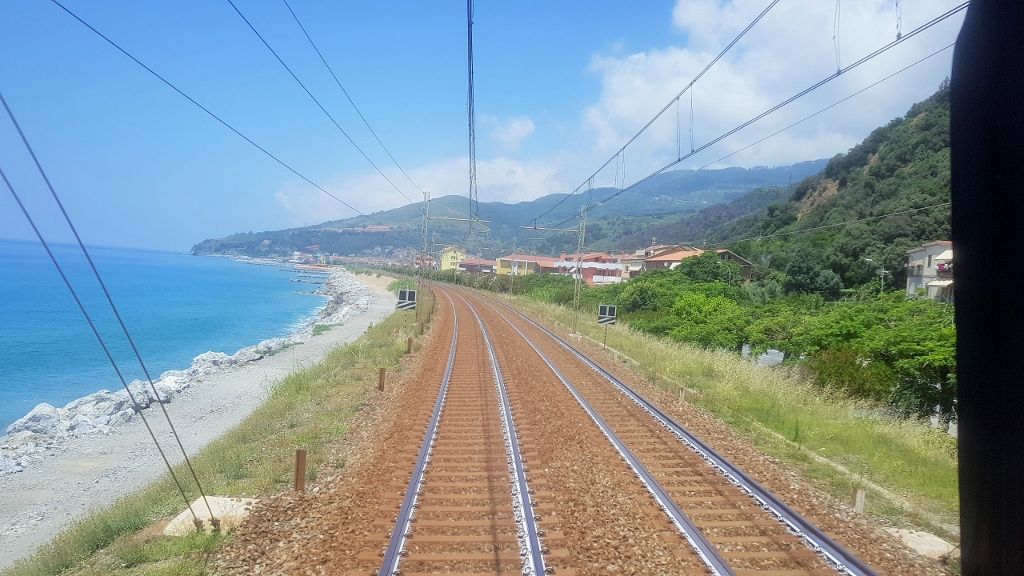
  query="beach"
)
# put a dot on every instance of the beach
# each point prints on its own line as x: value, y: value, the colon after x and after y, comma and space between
x: 87, y: 458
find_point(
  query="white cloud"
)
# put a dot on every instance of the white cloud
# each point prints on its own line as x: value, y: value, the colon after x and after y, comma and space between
x: 510, y: 134
x: 790, y: 49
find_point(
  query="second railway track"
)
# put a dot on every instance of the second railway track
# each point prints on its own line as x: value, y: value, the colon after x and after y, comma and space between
x: 749, y: 530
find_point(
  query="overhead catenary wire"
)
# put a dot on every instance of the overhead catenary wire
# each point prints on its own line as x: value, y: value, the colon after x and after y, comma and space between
x: 209, y: 112
x: 99, y: 338
x: 835, y: 35
x: 348, y: 97
x: 317, y: 101
x: 827, y: 108
x: 809, y: 116
x: 792, y: 98
x: 665, y: 108
x: 803, y: 119
x: 110, y: 301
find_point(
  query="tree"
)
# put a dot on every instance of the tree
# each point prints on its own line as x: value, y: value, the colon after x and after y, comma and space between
x: 712, y: 321
x: 803, y: 275
x: 638, y: 296
x: 708, y: 267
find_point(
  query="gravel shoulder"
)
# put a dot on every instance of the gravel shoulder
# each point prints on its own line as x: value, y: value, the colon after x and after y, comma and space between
x: 91, y: 472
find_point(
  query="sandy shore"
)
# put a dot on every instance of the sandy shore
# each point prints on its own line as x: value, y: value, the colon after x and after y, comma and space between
x: 91, y: 472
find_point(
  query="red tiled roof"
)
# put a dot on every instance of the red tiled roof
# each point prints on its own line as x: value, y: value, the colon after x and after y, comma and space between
x: 477, y: 262
x: 529, y: 258
x: 675, y: 255
x: 586, y: 255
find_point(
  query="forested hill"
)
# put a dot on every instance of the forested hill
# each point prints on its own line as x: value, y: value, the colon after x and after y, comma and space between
x: 897, y: 181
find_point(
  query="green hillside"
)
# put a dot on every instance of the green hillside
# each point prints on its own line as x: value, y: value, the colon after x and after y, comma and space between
x: 663, y: 197
x: 884, y: 196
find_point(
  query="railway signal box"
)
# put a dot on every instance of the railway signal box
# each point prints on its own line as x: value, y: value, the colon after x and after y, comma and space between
x: 606, y: 313
x: 406, y: 300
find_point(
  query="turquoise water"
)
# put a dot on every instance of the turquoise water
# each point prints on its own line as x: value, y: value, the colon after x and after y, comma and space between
x: 175, y: 305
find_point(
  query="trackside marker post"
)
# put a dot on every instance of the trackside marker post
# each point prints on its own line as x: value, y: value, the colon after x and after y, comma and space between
x: 408, y: 345
x: 606, y: 314
x: 380, y: 380
x: 300, y: 469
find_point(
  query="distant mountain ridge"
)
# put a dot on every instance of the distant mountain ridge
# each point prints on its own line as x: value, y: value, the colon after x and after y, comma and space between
x: 664, y: 196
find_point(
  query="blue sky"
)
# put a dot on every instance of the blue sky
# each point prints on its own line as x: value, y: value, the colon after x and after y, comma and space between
x: 559, y: 85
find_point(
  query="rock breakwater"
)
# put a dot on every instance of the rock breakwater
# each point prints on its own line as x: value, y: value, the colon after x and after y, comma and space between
x: 46, y: 428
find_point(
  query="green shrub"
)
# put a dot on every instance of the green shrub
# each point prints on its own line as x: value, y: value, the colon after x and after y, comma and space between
x: 846, y: 370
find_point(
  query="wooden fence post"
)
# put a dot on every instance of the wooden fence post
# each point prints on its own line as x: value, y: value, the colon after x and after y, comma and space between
x: 300, y: 469
x: 858, y: 501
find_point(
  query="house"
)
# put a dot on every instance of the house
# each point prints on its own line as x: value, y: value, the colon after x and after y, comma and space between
x: 670, y: 257
x: 423, y: 262
x: 478, y: 265
x: 451, y: 257
x: 594, y: 268
x: 930, y: 268
x: 523, y: 264
x: 673, y: 256
x: 633, y: 262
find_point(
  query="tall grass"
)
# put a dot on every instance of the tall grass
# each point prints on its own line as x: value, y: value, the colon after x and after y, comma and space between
x: 311, y: 408
x: 908, y: 467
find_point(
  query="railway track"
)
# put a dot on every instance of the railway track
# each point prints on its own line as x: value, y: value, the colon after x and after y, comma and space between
x: 505, y: 450
x: 733, y: 524
x: 467, y: 508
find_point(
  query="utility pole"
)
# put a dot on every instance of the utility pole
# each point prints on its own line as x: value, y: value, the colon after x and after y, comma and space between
x: 512, y: 267
x: 425, y: 251
x: 881, y: 275
x: 577, y: 286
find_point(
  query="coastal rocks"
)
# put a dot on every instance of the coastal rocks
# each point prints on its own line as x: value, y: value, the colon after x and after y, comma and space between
x: 47, y: 427
x: 102, y: 403
x: 40, y: 419
x: 17, y: 450
x: 9, y: 465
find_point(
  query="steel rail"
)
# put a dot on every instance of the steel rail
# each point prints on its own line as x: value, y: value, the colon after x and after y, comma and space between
x: 843, y: 560
x: 531, y: 548
x: 396, y: 544
x: 705, y: 550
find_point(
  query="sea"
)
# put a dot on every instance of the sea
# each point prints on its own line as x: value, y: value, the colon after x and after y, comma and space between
x: 176, y: 306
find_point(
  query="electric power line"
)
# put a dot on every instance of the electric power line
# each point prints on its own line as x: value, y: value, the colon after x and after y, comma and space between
x: 667, y: 106
x: 796, y: 96
x: 106, y: 294
x: 317, y: 102
x: 348, y: 97
x: 209, y: 112
x: 825, y: 109
x: 102, y: 343
x: 800, y: 121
